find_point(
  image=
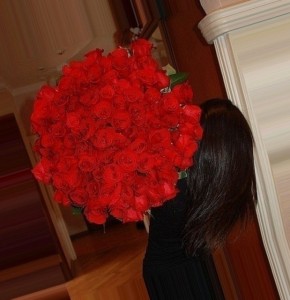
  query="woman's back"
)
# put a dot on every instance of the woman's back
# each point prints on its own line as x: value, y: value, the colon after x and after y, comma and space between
x: 168, y: 272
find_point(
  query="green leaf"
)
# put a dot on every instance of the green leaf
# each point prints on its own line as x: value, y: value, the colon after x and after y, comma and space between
x: 177, y: 78
x: 182, y: 174
x: 76, y: 210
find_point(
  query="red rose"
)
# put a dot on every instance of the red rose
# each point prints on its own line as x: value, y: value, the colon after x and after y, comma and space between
x: 132, y: 215
x: 94, y: 213
x: 171, y: 120
x: 139, y: 115
x: 61, y: 198
x: 83, y: 147
x: 185, y: 162
x: 87, y: 129
x: 119, y: 59
x: 109, y: 194
x: 121, y: 120
x: 163, y: 80
x: 138, y: 146
x: 154, y: 122
x: 103, y: 110
x: 141, y: 47
x: 159, y: 136
x: 172, y: 155
x: 79, y: 197
x: 127, y: 194
x: 186, y: 145
x: 73, y: 120
x: 132, y: 132
x: 42, y: 107
x: 152, y: 95
x: 110, y: 76
x: 58, y: 129
x: 170, y: 103
x: 69, y: 141
x: 168, y: 172
x: 183, y: 92
x: 60, y: 100
x: 74, y: 76
x: 93, y: 56
x: 120, y: 141
x: 94, y: 73
x: 66, y: 163
x: 146, y: 162
x: 192, y: 112
x: 119, y: 102
x: 154, y: 192
x: 42, y: 171
x: 104, y: 138
x: 49, y: 154
x: 141, y: 203
x: 148, y: 76
x: 74, y: 105
x: 113, y: 174
x: 107, y: 92
x: 93, y: 188
x: 169, y: 191
x: 198, y: 132
x: 192, y: 129
x: 87, y: 163
x: 106, y: 157
x: 144, y: 62
x: 89, y: 98
x: 127, y: 160
x: 59, y: 182
x: 66, y: 179
x: 133, y: 94
x: 118, y: 212
x: 97, y: 173
x: 47, y: 140
x: 121, y: 84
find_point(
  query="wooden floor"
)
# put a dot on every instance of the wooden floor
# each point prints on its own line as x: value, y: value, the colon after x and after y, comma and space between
x: 109, y: 265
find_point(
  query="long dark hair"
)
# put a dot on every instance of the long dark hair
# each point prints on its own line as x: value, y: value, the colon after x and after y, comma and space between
x: 221, y: 184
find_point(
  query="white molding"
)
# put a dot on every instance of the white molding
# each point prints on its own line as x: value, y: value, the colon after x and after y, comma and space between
x: 231, y: 18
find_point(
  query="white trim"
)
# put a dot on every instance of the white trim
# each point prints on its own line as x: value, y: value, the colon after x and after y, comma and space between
x: 244, y: 14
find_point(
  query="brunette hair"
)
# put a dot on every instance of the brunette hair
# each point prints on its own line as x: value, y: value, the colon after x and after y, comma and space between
x: 221, y: 184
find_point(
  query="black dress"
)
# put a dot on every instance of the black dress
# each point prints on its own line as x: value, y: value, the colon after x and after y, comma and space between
x: 170, y: 274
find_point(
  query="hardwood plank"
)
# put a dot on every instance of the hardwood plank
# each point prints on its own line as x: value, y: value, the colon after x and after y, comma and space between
x: 31, y: 282
x: 30, y: 267
x: 58, y: 292
x: 109, y: 265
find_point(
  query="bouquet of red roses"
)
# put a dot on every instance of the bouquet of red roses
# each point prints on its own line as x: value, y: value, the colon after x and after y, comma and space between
x: 113, y: 134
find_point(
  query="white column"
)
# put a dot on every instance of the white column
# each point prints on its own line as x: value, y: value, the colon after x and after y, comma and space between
x: 252, y: 42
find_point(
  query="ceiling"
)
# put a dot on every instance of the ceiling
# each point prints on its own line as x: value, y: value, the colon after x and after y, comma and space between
x: 37, y: 37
